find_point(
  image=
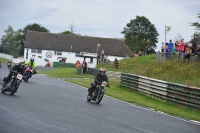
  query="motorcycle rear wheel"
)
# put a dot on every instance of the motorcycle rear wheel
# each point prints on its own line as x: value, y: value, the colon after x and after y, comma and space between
x: 88, y: 98
x: 3, y: 90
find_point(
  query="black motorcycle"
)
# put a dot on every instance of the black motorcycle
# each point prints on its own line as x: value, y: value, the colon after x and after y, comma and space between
x: 9, y: 65
x: 13, y: 83
x: 97, y: 93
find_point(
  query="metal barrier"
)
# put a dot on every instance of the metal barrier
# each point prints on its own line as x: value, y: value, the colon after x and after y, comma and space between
x: 194, y: 58
x: 178, y: 94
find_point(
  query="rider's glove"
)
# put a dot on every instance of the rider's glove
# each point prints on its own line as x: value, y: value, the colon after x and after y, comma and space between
x: 108, y: 85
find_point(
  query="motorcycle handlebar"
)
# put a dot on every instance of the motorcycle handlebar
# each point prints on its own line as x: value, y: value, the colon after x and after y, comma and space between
x: 13, y: 71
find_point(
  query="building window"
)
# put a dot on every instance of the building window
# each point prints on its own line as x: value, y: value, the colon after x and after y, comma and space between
x: 39, y: 51
x: 57, y: 52
x: 91, y: 60
x: 33, y: 50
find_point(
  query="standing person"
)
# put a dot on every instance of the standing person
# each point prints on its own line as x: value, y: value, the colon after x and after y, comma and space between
x: 167, y: 51
x: 116, y: 63
x: 190, y: 52
x: 84, y: 66
x: 181, y: 45
x: 147, y: 49
x: 78, y: 64
x: 171, y: 46
x: 98, y: 59
x: 181, y: 48
x: 162, y: 47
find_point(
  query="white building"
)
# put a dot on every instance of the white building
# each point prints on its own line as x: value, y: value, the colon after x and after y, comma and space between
x: 70, y: 48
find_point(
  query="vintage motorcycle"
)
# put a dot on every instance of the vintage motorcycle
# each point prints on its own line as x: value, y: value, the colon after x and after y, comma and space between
x: 13, y: 83
x: 9, y: 64
x: 97, y: 93
x: 29, y: 71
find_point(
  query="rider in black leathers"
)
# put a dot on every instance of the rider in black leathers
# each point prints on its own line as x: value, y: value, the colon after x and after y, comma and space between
x: 98, y: 79
x: 17, y: 68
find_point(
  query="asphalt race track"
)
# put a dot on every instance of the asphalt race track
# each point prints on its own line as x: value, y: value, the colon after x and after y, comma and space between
x: 50, y: 105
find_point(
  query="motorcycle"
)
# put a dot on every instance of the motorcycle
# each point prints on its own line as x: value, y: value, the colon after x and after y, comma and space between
x: 97, y: 93
x: 29, y: 72
x: 9, y: 65
x: 13, y: 83
x: 47, y: 65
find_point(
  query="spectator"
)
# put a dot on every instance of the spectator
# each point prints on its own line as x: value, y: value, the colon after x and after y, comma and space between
x: 171, y: 46
x: 139, y: 53
x: 181, y: 46
x: 98, y: 59
x: 198, y: 52
x: 127, y: 56
x: 147, y: 49
x: 134, y: 55
x: 167, y: 51
x: 162, y: 47
x: 191, y: 51
x: 116, y: 63
x: 198, y: 49
x: 176, y: 47
x: 78, y: 64
x: 84, y: 66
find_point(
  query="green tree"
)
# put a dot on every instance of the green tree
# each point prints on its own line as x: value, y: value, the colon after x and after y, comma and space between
x: 196, y: 24
x: 31, y: 27
x: 197, y: 28
x: 139, y: 33
x: 11, y: 41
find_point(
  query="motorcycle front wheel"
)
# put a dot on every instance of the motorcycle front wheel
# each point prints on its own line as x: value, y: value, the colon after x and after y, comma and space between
x: 88, y: 97
x: 3, y: 90
x: 99, y: 97
x: 14, y: 89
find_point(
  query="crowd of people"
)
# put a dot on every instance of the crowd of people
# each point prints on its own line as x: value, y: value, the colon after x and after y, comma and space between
x: 184, y: 50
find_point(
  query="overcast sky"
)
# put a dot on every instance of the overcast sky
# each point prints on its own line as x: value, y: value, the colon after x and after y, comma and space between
x: 101, y: 18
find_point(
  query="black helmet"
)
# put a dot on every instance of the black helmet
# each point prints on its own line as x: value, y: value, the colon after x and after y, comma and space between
x: 102, y: 71
x: 21, y: 65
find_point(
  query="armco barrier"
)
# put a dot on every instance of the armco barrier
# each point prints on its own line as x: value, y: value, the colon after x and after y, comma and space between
x: 175, y: 93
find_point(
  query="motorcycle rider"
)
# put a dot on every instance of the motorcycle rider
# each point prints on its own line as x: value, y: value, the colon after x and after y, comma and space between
x: 98, y: 79
x: 16, y: 68
x: 32, y: 63
x: 9, y: 64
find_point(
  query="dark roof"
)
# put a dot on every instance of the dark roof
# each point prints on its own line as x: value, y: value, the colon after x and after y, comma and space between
x: 63, y: 42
